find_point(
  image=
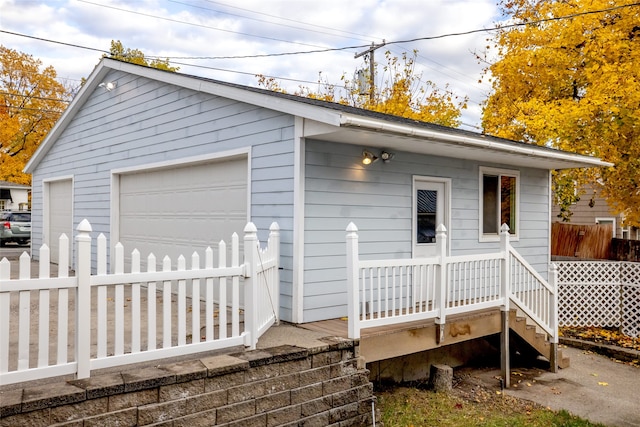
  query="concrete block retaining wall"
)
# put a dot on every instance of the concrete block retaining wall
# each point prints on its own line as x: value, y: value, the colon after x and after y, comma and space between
x: 279, y: 386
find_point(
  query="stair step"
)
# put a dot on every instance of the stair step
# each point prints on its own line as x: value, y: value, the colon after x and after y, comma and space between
x: 538, y: 340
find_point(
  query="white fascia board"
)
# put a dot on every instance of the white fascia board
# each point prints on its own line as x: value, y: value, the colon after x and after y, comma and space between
x: 572, y: 159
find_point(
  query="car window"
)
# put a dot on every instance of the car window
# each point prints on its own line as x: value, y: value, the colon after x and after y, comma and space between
x: 21, y: 217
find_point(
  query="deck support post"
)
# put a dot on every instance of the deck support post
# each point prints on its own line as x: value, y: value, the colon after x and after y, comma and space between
x: 505, y: 285
x: 504, y: 350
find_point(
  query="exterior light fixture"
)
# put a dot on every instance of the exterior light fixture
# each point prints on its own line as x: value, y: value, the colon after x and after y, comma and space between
x: 368, y: 157
x: 108, y: 86
x: 386, y: 156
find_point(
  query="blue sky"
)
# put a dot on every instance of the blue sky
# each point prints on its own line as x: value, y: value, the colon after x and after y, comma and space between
x: 226, y: 30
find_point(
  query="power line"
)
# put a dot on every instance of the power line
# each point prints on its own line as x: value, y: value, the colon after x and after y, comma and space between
x: 42, y: 110
x: 266, y: 21
x: 322, y: 49
x: 286, y: 19
x: 197, y: 25
x: 34, y: 97
x: 54, y: 41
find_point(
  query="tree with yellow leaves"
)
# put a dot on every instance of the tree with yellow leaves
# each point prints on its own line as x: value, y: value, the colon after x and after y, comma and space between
x: 136, y: 56
x: 567, y: 75
x: 402, y: 93
x: 32, y: 101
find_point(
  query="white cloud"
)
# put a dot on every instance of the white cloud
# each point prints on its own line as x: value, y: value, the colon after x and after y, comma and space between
x: 194, y: 28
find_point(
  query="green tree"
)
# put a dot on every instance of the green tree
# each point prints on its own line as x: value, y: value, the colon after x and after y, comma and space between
x: 32, y: 102
x: 569, y: 78
x: 402, y: 93
x: 136, y: 56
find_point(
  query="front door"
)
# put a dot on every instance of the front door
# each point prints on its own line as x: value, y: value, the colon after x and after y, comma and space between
x: 430, y: 209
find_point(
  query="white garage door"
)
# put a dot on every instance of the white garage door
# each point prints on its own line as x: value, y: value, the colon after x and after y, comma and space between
x: 59, y: 217
x: 177, y: 210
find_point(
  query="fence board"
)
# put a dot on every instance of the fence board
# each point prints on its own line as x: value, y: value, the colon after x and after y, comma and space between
x: 581, y: 241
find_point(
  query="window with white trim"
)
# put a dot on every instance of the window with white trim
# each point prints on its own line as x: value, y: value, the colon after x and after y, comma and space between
x: 605, y: 221
x: 626, y: 233
x: 499, y: 202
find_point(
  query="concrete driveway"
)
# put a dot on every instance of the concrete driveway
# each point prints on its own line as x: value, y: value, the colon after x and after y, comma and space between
x: 594, y: 387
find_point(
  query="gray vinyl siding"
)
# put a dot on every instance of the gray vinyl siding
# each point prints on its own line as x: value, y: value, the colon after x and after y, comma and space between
x: 378, y: 199
x: 145, y: 121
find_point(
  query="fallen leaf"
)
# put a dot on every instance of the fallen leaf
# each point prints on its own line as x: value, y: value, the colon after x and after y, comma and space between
x: 602, y: 383
x: 595, y: 375
x: 498, y: 392
x: 528, y: 384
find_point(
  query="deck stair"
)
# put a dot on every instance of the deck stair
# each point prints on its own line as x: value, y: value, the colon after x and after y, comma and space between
x: 520, y: 323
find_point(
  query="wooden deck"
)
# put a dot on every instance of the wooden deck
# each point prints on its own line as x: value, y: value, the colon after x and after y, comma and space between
x: 386, y: 342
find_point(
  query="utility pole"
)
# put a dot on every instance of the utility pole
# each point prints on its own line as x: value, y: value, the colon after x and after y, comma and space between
x: 372, y: 65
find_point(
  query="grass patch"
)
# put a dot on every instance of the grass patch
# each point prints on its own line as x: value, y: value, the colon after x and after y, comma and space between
x: 408, y: 406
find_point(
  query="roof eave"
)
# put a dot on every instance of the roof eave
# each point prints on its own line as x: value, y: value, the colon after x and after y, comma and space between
x: 564, y: 160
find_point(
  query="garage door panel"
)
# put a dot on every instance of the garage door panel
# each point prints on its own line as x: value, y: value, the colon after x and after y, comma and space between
x: 60, y: 215
x: 178, y: 210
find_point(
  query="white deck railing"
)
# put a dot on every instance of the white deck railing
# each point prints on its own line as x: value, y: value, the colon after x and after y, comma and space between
x: 105, y: 320
x: 392, y: 291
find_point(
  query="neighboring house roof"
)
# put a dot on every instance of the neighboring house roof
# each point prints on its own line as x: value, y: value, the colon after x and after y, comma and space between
x: 7, y: 184
x: 340, y: 123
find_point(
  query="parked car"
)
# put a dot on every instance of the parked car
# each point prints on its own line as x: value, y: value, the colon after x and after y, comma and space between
x: 15, y: 227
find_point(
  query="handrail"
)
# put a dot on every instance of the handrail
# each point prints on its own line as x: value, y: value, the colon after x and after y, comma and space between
x: 391, y: 291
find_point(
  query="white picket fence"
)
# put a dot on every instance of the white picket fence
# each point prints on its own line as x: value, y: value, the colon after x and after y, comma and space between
x: 392, y: 291
x: 75, y: 324
x: 600, y: 294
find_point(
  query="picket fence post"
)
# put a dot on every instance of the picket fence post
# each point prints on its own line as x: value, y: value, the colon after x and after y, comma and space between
x: 353, y: 315
x: 250, y: 286
x: 83, y: 300
x: 274, y: 249
x: 441, y: 287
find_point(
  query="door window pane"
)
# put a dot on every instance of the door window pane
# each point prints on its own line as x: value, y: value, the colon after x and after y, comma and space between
x: 427, y: 205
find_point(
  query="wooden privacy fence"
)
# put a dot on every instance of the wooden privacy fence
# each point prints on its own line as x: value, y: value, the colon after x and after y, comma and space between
x: 591, y: 241
x: 391, y: 291
x: 73, y: 325
x: 625, y: 250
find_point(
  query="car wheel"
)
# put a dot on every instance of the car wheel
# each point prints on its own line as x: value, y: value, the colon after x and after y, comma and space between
x: 3, y: 243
